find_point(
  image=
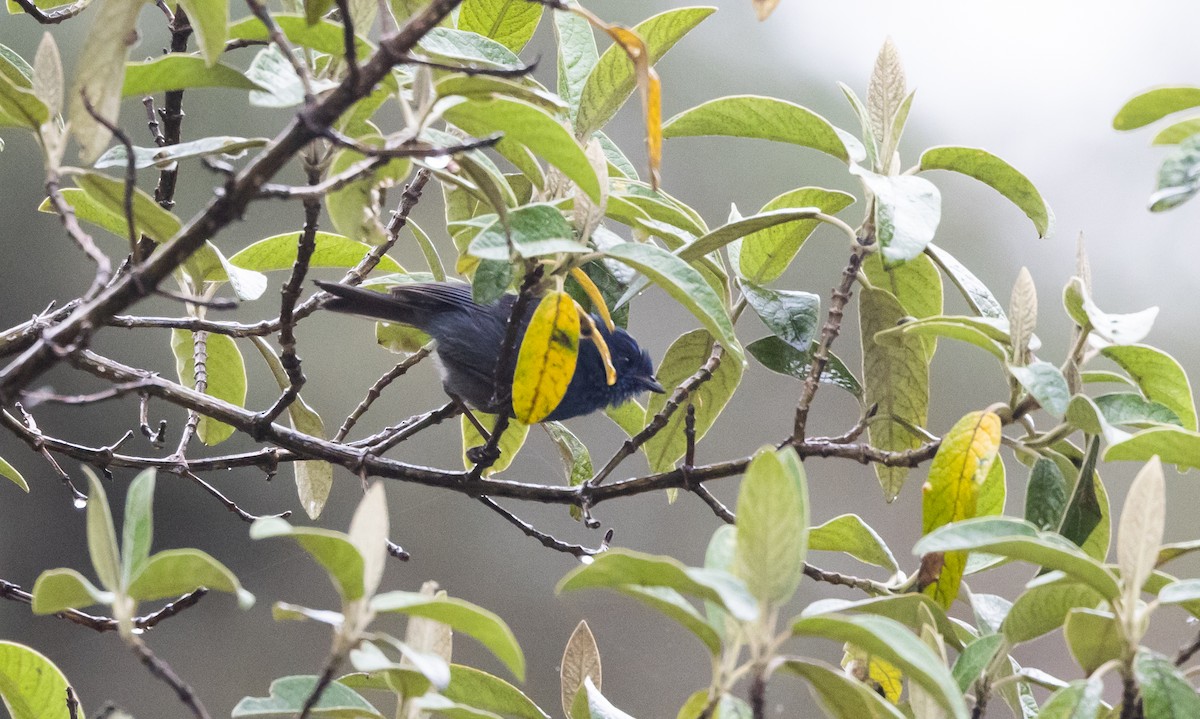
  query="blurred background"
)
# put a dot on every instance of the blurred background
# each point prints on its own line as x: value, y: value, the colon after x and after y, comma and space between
x: 1035, y: 82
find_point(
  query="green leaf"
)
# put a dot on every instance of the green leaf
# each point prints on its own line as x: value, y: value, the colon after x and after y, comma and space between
x: 850, y: 534
x: 1173, y: 444
x: 332, y: 250
x: 1155, y: 104
x: 31, y: 686
x: 109, y: 193
x: 799, y: 220
x: 209, y: 19
x: 534, y: 128
x: 907, y: 212
x: 765, y: 118
x: 468, y: 47
x: 1131, y: 408
x: 891, y: 641
x: 1180, y: 592
x: 979, y: 331
x: 1086, y: 520
x: 618, y: 567
x: 461, y: 616
x: 897, y: 380
x: 332, y: 550
x: 208, y: 264
x: 844, y: 697
x: 509, y: 22
x: 10, y: 472
x: 974, y: 660
x: 683, y: 283
x: 1080, y: 699
x: 510, y: 443
x: 794, y: 317
x: 225, y: 372
x: 281, y: 86
x: 444, y: 707
x: 772, y: 526
x: 577, y: 55
x: 20, y: 107
x: 491, y: 280
x: 575, y: 456
x: 766, y: 254
x: 672, y: 604
x: 613, y: 80
x: 178, y: 571
x: 102, y: 535
x: 977, y: 295
x: 1166, y: 693
x: 997, y: 174
x: 1018, y: 539
x: 1177, y: 132
x: 1046, y: 384
x: 59, y: 589
x: 778, y: 356
x: 324, y: 36
x: 534, y: 230
x: 1046, y: 497
x: 289, y: 694
x: 911, y: 609
x: 137, y: 526
x: 162, y: 157
x: 1160, y: 377
x: 1094, y: 638
x: 630, y: 416
x: 684, y: 358
x: 916, y: 284
x: 1118, y: 329
x: 490, y: 693
x: 1044, y: 604
x: 480, y: 86
x: 99, y: 79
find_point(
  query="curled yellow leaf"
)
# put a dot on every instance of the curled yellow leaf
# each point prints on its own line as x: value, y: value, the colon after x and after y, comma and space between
x: 593, y: 293
x: 546, y: 362
x: 589, y: 330
x: 951, y: 494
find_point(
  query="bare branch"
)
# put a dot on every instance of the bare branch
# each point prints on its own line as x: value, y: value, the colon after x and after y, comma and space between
x: 377, y: 389
x: 56, y: 15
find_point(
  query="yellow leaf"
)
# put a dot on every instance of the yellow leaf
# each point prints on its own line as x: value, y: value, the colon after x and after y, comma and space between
x: 547, y: 358
x: 880, y: 675
x: 952, y: 492
x: 593, y: 293
x: 650, y: 90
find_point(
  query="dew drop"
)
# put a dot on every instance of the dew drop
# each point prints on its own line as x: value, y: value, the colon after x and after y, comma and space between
x: 80, y: 502
x: 139, y: 630
x: 587, y: 559
x: 438, y: 162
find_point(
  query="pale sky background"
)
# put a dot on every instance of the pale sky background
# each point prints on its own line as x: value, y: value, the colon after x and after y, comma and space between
x: 1037, y: 83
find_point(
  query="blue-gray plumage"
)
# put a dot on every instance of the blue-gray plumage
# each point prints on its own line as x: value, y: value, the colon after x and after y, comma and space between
x: 469, y: 338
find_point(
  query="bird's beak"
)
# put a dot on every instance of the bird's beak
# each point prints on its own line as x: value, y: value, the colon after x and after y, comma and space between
x: 652, y: 384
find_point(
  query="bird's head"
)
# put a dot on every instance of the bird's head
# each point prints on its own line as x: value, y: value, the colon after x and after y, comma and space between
x: 635, y: 370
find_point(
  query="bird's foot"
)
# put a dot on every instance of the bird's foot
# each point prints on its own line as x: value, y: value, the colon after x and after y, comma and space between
x: 482, y: 455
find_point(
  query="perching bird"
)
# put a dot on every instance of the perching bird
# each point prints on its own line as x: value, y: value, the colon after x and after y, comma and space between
x: 468, y: 338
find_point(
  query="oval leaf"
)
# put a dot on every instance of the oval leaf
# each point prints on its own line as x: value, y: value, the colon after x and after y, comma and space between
x: 997, y: 174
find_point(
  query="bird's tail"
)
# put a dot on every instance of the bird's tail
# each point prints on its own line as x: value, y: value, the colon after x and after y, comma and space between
x: 366, y: 303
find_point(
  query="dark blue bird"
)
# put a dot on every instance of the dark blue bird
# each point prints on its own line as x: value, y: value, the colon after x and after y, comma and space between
x: 469, y: 338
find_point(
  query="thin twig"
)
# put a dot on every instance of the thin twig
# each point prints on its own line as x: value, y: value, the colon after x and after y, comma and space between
x: 471, y: 70
x: 81, y: 238
x: 547, y: 540
x: 377, y: 389
x: 130, y: 176
x: 349, y: 46
x: 56, y: 15
x: 829, y: 332
x: 322, y: 684
x: 306, y: 245
x: 172, y: 114
x: 161, y: 670
x: 660, y: 420
x: 39, y: 445
x: 13, y: 592
x: 285, y: 48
